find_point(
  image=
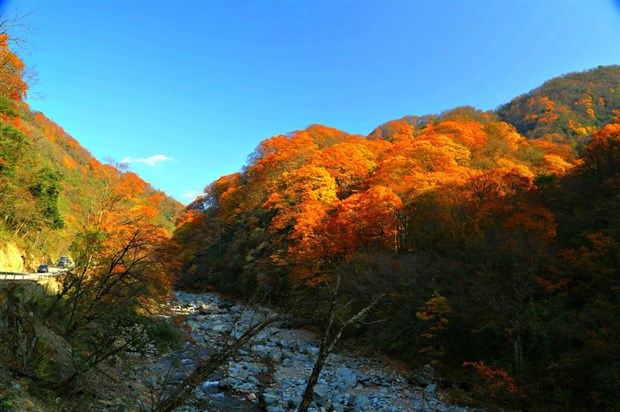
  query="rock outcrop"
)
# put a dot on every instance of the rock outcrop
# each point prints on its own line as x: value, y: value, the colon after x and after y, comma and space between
x: 11, y: 258
x: 27, y: 344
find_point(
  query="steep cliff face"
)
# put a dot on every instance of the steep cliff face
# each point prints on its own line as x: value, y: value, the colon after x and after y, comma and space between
x: 27, y: 348
x: 17, y: 324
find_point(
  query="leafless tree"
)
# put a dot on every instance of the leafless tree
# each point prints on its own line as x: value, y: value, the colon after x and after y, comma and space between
x: 205, y: 367
x: 331, y: 335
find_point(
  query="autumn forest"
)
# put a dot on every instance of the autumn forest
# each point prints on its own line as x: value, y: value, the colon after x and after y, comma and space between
x: 491, y: 239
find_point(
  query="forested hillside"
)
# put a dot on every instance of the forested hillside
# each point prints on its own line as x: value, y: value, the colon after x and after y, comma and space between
x: 51, y: 188
x: 494, y: 237
x: 56, y: 199
x: 568, y: 108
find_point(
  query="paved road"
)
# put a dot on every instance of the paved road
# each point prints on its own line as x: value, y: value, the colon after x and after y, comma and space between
x: 11, y: 276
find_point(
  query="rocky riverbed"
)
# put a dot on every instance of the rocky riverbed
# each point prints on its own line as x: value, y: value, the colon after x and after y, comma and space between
x: 270, y: 373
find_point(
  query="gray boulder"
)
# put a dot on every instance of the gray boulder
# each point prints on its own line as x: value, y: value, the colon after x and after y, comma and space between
x: 361, y: 403
x: 424, y: 376
x: 347, y: 378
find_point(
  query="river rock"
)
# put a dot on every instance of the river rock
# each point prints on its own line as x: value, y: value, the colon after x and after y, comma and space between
x: 269, y: 398
x: 347, y: 377
x: 226, y: 305
x: 219, y: 327
x: 278, y: 362
x: 312, y: 350
x: 320, y: 393
x: 430, y: 388
x: 424, y: 376
x: 206, y: 309
x: 361, y: 403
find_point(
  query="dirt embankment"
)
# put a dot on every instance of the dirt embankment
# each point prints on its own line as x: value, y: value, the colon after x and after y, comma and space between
x: 12, y: 259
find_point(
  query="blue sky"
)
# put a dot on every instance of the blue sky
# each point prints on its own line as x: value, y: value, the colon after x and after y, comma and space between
x: 199, y: 84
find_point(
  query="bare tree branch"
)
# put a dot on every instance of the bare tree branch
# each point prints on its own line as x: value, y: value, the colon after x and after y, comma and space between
x: 329, y: 340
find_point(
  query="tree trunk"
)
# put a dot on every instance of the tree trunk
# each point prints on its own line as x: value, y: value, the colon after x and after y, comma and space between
x: 328, y: 342
x: 517, y: 345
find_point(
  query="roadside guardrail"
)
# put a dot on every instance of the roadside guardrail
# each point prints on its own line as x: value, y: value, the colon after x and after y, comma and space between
x: 29, y: 276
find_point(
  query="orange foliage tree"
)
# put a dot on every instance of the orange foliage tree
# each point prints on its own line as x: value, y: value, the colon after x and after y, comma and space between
x: 12, y: 68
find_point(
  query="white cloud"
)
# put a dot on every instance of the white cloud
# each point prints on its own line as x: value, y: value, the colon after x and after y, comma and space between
x: 190, y: 195
x: 152, y: 161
